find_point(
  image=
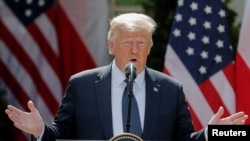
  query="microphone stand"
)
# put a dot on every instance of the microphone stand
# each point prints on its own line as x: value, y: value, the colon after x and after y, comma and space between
x: 130, y: 96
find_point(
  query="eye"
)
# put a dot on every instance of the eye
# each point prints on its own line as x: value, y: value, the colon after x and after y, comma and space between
x: 142, y: 43
x: 126, y: 42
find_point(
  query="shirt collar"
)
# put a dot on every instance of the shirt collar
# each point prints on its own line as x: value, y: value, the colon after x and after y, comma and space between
x: 118, y: 76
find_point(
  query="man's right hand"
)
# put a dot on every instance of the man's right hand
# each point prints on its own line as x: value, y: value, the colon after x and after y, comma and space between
x: 30, y: 122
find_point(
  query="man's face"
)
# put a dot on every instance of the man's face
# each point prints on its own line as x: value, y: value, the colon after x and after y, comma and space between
x: 131, y: 46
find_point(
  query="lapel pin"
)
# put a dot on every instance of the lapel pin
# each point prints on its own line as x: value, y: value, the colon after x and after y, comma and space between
x: 155, y: 89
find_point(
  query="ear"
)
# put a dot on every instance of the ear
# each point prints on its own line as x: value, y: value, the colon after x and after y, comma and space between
x: 111, y: 47
x: 149, y: 49
x: 151, y: 45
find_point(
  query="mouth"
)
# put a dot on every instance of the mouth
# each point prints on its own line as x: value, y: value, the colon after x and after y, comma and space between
x: 133, y: 60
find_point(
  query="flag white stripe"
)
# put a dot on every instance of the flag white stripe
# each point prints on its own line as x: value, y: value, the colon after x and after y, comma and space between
x: 225, y: 90
x: 192, y: 92
x: 244, y: 42
x: 22, y: 78
x: 92, y: 27
x: 33, y: 51
x: 48, y: 31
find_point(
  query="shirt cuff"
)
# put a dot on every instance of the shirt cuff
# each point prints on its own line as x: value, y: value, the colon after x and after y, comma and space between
x: 40, y: 138
x: 206, y: 134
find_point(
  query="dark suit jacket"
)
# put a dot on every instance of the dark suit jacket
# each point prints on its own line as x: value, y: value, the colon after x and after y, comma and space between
x: 85, y: 111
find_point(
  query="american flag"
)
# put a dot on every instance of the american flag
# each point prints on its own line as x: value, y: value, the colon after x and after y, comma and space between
x: 199, y: 54
x: 42, y: 43
x: 243, y: 64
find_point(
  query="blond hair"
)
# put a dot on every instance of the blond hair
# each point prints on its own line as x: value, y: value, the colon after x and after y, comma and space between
x: 131, y: 22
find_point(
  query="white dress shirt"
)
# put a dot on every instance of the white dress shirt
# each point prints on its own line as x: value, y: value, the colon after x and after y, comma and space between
x: 118, y: 86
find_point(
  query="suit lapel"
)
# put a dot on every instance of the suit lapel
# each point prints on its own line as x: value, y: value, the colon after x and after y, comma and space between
x: 152, y: 105
x: 103, y: 93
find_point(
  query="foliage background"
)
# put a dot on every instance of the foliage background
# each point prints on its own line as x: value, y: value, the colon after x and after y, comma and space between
x: 163, y: 12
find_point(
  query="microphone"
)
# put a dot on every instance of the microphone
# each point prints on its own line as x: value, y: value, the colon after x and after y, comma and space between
x: 130, y: 71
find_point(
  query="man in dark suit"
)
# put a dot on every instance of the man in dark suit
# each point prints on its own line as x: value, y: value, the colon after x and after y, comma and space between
x: 91, y: 108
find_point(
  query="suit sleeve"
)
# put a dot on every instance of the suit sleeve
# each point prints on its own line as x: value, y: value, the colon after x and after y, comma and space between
x: 63, y: 125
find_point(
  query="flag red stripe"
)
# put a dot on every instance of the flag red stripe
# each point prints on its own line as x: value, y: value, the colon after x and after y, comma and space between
x: 212, y: 96
x: 229, y: 73
x: 11, y: 82
x: 197, y: 123
x: 18, y: 135
x: 51, y: 15
x: 242, y: 85
x: 30, y: 68
x: 44, y: 46
x: 165, y: 70
x: 71, y: 46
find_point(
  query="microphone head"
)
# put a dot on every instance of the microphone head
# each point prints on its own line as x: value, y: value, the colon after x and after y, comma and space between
x: 130, y: 70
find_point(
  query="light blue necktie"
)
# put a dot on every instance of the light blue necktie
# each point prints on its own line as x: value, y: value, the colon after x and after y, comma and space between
x: 135, y: 124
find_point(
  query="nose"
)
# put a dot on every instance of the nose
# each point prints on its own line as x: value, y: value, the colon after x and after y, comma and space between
x: 134, y: 48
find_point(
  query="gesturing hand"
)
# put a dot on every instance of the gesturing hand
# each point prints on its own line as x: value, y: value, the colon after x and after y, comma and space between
x: 234, y: 119
x: 30, y: 122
